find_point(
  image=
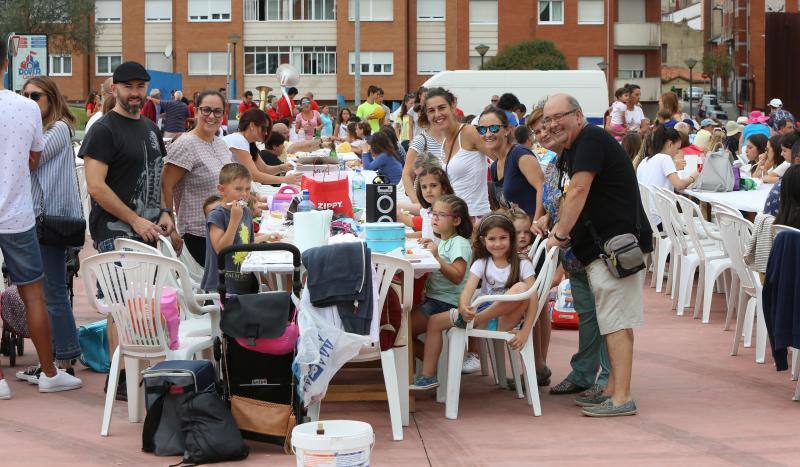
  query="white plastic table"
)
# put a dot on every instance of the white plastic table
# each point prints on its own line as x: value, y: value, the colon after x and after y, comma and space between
x: 748, y: 201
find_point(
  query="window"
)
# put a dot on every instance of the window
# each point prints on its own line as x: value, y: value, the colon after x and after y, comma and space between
x: 664, y: 54
x: 158, y: 11
x: 106, y: 64
x: 60, y: 65
x: 309, y: 60
x: 373, y: 63
x: 589, y: 63
x: 591, y: 11
x: 157, y: 61
x: 430, y: 10
x: 289, y: 10
x: 372, y: 10
x: 551, y: 12
x: 630, y: 66
x: 108, y: 11
x: 631, y: 11
x: 483, y: 11
x: 430, y: 63
x: 208, y: 63
x: 209, y: 10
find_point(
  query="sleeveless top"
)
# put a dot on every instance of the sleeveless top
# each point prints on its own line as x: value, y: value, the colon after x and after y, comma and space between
x: 467, y: 173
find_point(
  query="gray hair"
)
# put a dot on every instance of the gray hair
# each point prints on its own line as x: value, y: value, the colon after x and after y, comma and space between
x: 155, y: 93
x: 577, y: 106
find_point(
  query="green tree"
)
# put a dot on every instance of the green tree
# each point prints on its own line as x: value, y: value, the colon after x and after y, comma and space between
x: 535, y: 54
x: 717, y: 64
x: 68, y: 24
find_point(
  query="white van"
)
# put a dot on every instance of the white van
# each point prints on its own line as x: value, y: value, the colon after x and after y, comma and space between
x: 474, y: 89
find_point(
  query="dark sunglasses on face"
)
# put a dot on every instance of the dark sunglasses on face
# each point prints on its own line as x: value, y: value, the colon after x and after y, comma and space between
x: 493, y: 128
x: 34, y: 96
x: 206, y: 111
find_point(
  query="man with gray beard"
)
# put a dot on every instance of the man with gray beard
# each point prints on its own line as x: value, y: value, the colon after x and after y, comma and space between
x: 123, y: 156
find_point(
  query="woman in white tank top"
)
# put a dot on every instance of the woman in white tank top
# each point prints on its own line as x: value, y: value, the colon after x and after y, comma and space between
x: 464, y: 151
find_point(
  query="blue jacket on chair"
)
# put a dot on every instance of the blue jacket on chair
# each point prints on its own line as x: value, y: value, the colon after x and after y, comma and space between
x: 781, y: 296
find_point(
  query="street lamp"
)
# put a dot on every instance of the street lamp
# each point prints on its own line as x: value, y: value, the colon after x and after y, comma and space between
x: 233, y: 39
x: 690, y: 62
x: 481, y: 49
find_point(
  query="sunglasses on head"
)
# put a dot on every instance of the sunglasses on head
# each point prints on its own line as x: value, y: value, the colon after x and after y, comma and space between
x: 34, y: 96
x: 492, y: 128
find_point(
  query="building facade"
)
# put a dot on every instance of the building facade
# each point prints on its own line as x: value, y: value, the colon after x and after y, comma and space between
x: 403, y: 42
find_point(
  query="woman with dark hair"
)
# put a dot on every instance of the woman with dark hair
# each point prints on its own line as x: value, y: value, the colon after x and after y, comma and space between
x: 405, y: 124
x: 93, y: 104
x: 273, y: 148
x: 773, y: 166
x: 389, y: 131
x: 54, y: 191
x: 255, y: 126
x: 464, y: 151
x: 516, y: 172
x: 634, y: 116
x: 191, y: 172
x: 789, y: 210
x: 508, y: 103
x: 424, y: 149
x: 387, y: 162
x: 522, y: 135
x: 340, y: 130
x: 755, y: 150
x: 416, y: 110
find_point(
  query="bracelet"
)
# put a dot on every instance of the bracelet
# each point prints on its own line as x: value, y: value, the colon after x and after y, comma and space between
x: 559, y: 238
x: 165, y: 210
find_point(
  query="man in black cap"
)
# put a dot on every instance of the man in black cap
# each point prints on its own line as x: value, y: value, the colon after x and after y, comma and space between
x: 123, y: 157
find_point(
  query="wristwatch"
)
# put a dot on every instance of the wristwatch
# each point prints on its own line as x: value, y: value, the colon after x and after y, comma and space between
x: 167, y: 210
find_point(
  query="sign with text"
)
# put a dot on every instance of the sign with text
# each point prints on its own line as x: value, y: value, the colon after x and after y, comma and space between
x: 29, y: 57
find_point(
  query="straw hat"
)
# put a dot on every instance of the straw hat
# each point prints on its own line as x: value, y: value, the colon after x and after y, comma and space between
x: 732, y: 128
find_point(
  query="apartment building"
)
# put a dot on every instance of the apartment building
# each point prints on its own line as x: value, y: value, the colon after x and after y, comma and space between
x: 403, y: 42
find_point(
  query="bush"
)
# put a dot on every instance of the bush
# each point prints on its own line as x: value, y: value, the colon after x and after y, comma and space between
x: 535, y: 54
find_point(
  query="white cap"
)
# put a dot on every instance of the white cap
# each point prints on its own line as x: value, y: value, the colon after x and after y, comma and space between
x: 776, y: 103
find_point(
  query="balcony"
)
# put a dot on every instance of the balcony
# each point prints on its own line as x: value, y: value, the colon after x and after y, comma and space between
x: 651, y: 87
x: 637, y: 36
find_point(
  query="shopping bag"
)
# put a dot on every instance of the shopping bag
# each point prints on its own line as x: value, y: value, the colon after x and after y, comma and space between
x: 332, y: 193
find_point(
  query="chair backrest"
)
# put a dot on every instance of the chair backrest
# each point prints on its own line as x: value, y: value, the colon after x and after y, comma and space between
x: 726, y: 208
x: 688, y: 213
x: 776, y: 229
x: 195, y: 270
x: 736, y: 232
x: 132, y: 284
x: 649, y: 205
x: 537, y: 250
x: 127, y: 244
x: 386, y: 270
x: 670, y: 221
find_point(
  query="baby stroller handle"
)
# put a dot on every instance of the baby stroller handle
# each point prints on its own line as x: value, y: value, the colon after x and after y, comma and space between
x: 228, y: 250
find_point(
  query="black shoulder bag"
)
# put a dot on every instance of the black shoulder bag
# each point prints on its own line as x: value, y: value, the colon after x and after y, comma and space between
x: 62, y: 231
x: 622, y: 254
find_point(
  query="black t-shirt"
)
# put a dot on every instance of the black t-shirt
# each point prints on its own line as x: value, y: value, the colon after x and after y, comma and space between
x: 133, y: 150
x: 613, y: 199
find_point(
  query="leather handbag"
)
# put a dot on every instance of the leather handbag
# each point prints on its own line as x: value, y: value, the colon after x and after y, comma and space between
x: 60, y: 230
x: 266, y: 418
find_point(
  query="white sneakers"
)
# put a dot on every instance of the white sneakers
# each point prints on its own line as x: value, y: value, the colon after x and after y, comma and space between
x: 5, y: 391
x: 62, y: 381
x: 472, y: 364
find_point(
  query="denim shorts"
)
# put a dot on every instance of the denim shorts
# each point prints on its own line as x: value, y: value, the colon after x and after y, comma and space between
x: 22, y: 256
x: 431, y: 306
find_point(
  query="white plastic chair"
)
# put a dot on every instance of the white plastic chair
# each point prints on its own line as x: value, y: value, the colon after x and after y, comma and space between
x: 191, y: 325
x: 132, y: 284
x: 736, y: 233
x: 195, y: 270
x: 456, y: 340
x: 394, y: 362
x: 83, y: 190
x: 713, y: 261
x: 662, y: 244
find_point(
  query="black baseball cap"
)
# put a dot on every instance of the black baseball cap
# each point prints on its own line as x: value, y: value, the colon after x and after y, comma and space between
x: 130, y: 71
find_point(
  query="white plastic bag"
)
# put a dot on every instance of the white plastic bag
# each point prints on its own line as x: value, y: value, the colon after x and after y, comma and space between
x: 321, y: 350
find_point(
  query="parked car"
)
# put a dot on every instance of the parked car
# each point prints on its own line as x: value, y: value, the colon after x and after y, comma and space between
x: 695, y: 93
x: 708, y: 103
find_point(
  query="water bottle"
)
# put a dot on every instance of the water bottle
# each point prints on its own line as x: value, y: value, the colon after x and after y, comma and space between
x: 359, y: 191
x: 305, y: 205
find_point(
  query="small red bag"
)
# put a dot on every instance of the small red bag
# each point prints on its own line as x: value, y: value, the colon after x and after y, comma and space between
x: 330, y: 194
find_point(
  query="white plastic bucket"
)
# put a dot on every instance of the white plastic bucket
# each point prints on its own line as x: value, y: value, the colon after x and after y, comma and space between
x: 345, y: 443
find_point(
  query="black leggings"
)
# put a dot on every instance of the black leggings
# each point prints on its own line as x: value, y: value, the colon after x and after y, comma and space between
x: 197, y: 247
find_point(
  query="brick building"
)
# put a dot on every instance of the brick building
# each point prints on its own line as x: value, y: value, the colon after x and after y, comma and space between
x: 403, y: 42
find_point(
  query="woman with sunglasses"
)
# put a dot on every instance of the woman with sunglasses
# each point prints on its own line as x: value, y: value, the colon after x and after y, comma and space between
x: 191, y: 171
x: 255, y: 126
x: 54, y: 189
x: 308, y: 120
x: 516, y: 172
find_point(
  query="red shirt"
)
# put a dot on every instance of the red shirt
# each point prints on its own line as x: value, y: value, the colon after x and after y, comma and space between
x: 244, y: 106
x: 191, y: 110
x: 314, y: 105
x: 692, y: 150
x: 272, y: 114
x: 285, y: 109
x: 149, y: 110
x: 459, y: 113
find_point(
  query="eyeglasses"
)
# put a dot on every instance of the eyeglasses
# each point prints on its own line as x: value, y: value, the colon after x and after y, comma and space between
x: 438, y: 215
x: 546, y: 121
x: 494, y: 101
x: 206, y: 111
x: 493, y: 128
x: 34, y: 96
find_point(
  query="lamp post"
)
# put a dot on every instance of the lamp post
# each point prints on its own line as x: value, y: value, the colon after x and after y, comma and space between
x: 481, y: 49
x: 233, y: 39
x: 690, y: 62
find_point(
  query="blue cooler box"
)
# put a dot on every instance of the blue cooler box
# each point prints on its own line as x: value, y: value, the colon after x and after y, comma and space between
x: 383, y: 237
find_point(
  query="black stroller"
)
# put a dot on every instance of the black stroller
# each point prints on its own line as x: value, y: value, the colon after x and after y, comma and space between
x: 256, y: 351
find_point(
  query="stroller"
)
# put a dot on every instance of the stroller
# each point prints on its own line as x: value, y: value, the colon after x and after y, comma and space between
x: 256, y: 350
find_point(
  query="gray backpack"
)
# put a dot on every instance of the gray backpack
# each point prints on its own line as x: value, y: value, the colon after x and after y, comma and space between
x: 717, y: 174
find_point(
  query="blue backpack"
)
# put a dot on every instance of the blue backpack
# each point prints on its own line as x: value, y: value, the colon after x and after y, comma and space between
x: 94, y: 346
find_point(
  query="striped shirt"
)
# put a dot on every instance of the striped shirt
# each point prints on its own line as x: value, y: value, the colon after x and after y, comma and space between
x: 56, y: 175
x: 425, y: 142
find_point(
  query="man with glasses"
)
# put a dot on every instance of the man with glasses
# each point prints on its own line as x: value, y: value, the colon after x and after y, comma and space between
x: 601, y: 201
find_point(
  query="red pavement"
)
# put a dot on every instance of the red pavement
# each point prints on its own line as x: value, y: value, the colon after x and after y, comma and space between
x: 697, y: 406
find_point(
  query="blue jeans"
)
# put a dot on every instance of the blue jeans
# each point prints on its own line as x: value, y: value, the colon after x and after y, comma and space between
x: 592, y: 353
x: 59, y: 309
